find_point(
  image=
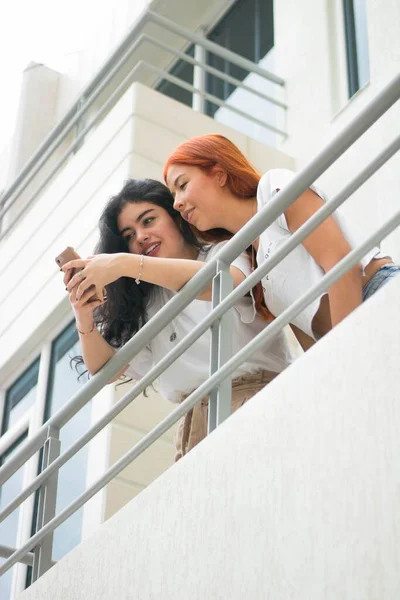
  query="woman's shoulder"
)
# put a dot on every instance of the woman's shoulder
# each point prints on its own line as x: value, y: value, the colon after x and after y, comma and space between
x: 241, y: 262
x: 272, y: 181
x: 208, y: 251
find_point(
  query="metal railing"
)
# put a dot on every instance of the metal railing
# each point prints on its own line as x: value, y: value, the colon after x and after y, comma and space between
x: 109, y: 75
x: 222, y: 363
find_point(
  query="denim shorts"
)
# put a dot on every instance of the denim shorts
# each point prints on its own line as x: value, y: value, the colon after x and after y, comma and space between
x: 381, y: 278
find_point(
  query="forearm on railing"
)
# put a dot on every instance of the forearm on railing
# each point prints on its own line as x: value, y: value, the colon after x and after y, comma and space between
x: 345, y: 295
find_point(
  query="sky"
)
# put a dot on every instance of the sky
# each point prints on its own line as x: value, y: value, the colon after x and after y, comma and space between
x: 43, y: 31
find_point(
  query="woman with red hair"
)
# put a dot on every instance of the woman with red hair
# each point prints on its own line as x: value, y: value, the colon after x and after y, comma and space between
x: 218, y: 191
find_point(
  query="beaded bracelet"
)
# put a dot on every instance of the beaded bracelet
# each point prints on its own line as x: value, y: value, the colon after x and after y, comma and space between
x: 137, y: 280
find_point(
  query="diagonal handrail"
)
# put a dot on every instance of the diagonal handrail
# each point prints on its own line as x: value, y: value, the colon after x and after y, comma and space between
x: 380, y: 104
x: 279, y: 203
x: 7, y: 551
x: 226, y: 370
x: 294, y: 240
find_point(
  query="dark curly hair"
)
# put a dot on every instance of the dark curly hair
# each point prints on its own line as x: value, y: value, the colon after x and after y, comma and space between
x: 124, y: 313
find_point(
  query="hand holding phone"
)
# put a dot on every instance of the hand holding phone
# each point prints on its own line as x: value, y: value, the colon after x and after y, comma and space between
x: 70, y: 254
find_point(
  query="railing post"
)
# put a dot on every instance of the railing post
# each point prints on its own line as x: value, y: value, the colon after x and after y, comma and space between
x: 219, y: 407
x: 199, y: 77
x: 42, y: 560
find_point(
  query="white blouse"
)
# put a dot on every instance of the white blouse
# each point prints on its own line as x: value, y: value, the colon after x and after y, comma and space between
x: 192, y: 368
x: 298, y: 271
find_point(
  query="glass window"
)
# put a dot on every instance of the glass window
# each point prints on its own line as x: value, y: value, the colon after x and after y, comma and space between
x: 9, y: 527
x: 183, y: 70
x: 20, y: 396
x: 248, y: 30
x: 63, y: 384
x: 357, y: 55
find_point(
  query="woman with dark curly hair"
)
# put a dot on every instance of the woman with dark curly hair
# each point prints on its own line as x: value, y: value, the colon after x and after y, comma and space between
x: 145, y: 255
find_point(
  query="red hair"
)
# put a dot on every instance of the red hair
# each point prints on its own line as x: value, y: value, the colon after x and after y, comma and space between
x: 212, y: 150
x: 208, y: 151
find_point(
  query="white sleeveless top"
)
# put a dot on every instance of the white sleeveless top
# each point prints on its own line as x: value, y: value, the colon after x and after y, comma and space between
x: 298, y: 272
x: 192, y: 368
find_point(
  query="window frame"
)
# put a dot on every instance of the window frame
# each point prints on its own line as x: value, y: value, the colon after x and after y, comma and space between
x: 20, y: 432
x: 352, y: 49
x: 26, y: 381
x: 229, y: 89
x: 67, y: 337
x: 44, y: 357
x: 210, y: 108
x: 60, y: 346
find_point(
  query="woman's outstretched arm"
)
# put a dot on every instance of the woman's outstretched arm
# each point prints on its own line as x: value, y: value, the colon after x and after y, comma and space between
x: 169, y: 273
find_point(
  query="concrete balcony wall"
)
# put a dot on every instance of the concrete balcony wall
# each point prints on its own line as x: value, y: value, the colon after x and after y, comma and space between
x: 295, y: 496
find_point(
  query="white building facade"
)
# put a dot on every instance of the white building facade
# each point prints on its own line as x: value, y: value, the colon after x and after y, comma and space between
x: 327, y: 60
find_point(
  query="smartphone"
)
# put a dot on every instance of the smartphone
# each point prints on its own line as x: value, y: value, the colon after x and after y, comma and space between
x: 70, y: 254
x: 65, y: 256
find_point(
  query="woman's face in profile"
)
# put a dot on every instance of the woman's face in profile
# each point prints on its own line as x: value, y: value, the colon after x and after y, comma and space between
x: 148, y: 229
x: 197, y: 195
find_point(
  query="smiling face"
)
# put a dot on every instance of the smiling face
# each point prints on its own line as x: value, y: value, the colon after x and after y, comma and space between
x: 149, y: 229
x: 199, y: 196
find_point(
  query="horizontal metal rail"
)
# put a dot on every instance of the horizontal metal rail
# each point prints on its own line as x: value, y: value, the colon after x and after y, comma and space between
x: 225, y: 371
x: 216, y: 72
x: 190, y: 88
x: 294, y: 240
x: 7, y: 551
x: 232, y: 249
x: 214, y: 48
